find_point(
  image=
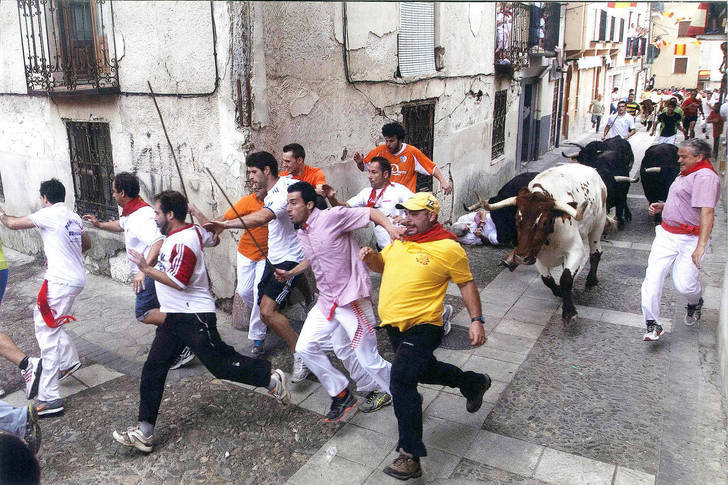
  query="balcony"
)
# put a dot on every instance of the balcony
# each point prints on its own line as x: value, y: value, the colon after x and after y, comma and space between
x: 511, y: 36
x: 636, y: 47
x: 68, y: 46
x: 543, y: 35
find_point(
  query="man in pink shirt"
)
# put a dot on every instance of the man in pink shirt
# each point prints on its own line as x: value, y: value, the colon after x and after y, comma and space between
x: 681, y: 239
x: 344, y: 312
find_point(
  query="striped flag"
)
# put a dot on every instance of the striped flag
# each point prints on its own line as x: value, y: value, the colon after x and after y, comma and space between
x: 680, y: 49
x: 697, y: 26
x: 621, y: 4
x: 668, y: 14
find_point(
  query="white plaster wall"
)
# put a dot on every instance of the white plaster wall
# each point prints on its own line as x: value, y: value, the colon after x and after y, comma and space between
x: 12, y: 77
x: 171, y: 45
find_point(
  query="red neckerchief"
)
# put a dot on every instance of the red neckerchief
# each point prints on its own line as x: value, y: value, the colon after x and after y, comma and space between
x: 47, y: 312
x: 372, y: 199
x: 436, y: 233
x: 132, y: 206
x: 701, y: 164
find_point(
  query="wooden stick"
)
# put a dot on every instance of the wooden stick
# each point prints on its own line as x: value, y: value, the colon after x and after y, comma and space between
x: 171, y: 149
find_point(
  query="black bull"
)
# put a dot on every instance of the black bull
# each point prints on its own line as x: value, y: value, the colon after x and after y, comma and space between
x: 613, y: 160
x: 658, y: 170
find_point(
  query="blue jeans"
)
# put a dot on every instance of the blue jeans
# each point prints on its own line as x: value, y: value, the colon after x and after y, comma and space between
x: 3, y: 282
x: 146, y: 300
x: 12, y: 419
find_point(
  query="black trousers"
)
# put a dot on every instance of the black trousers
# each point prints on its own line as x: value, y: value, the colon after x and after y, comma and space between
x: 414, y: 362
x: 198, y: 331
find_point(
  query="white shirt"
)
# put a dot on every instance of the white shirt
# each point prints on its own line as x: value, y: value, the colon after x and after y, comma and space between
x: 393, y: 194
x: 282, y: 241
x: 140, y: 232
x: 182, y: 259
x: 61, y: 230
x: 620, y: 125
x: 488, y: 229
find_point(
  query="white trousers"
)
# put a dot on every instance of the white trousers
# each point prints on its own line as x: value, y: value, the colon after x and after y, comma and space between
x: 366, y: 367
x: 249, y: 274
x: 57, y: 351
x: 670, y: 251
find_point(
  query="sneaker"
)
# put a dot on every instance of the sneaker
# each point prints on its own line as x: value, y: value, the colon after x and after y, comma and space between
x: 258, y: 348
x: 280, y: 391
x: 49, y: 408
x: 185, y: 357
x: 375, y: 401
x: 32, y: 430
x: 300, y: 371
x: 134, y: 438
x: 404, y: 467
x: 340, y: 406
x: 693, y: 313
x: 64, y: 374
x: 31, y: 374
x: 653, y: 331
x: 446, y: 316
x: 473, y: 404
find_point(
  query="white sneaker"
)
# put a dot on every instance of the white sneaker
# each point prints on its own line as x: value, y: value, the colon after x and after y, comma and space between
x: 31, y: 374
x: 446, y: 317
x: 134, y: 438
x: 280, y: 391
x: 300, y: 371
x: 653, y: 332
x: 183, y: 358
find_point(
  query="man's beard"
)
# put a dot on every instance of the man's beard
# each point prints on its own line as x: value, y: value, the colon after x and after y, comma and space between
x: 164, y: 228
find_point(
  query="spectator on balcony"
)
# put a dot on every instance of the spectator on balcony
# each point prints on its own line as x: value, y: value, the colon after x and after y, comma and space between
x: 504, y: 24
x: 651, y: 83
x: 597, y: 110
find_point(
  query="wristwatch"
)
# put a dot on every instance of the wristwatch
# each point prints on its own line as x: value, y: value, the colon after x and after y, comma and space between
x: 477, y: 319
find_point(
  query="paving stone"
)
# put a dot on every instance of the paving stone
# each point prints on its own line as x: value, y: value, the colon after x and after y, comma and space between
x: 383, y: 421
x: 470, y: 472
x: 559, y: 467
x: 498, y: 354
x: 454, y: 357
x: 627, y: 476
x: 337, y: 471
x: 436, y: 466
x: 549, y: 305
x: 95, y: 374
x: 623, y: 318
x: 519, y: 329
x: 361, y: 445
x: 454, y: 438
x: 70, y: 387
x: 536, y: 317
x: 451, y: 407
x: 590, y: 312
x: 496, y: 369
x: 509, y: 454
x: 620, y: 244
x: 510, y: 343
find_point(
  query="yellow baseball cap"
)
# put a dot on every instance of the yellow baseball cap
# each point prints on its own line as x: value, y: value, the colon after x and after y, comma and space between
x: 421, y: 201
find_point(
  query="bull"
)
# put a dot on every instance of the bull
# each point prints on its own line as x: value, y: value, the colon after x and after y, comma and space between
x: 658, y: 170
x: 504, y: 220
x: 611, y: 159
x: 561, y: 213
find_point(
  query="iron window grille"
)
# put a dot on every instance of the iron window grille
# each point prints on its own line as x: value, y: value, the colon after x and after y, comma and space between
x: 68, y: 46
x: 499, y: 124
x: 512, y: 34
x: 543, y: 39
x: 419, y: 123
x: 92, y: 167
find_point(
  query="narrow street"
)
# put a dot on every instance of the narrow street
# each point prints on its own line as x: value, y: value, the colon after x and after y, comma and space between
x: 585, y: 403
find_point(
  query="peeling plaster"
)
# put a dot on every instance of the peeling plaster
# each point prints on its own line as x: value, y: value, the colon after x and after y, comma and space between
x: 303, y: 105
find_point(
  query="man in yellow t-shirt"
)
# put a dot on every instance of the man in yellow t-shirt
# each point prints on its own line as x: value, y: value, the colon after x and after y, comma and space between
x: 415, y: 276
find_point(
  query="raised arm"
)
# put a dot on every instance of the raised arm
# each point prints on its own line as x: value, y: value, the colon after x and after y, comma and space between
x: 15, y: 223
x: 111, y: 226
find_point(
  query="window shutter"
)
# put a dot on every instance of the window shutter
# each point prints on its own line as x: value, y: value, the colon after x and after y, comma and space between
x: 416, y: 45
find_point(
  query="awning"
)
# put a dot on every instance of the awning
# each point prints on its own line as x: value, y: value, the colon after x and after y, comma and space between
x: 589, y: 62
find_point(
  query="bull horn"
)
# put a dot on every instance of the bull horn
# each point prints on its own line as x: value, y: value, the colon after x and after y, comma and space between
x: 482, y: 201
x: 471, y: 208
x: 573, y: 157
x: 622, y: 178
x: 499, y: 205
x: 653, y: 170
x: 576, y: 214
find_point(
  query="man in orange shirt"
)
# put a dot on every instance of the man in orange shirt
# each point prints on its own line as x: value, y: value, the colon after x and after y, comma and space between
x: 406, y: 160
x: 293, y: 164
x: 251, y: 261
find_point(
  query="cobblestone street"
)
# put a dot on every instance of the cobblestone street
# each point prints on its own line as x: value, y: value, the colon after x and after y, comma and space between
x: 588, y: 402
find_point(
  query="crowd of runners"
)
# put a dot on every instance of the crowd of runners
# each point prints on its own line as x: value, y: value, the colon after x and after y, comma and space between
x: 290, y: 230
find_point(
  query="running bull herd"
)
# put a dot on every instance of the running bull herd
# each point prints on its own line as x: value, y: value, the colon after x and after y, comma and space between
x: 552, y: 218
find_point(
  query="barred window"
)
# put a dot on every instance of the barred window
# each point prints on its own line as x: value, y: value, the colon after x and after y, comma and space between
x: 499, y: 124
x: 92, y: 167
x: 419, y: 122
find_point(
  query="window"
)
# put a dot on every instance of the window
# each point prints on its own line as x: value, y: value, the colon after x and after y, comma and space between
x: 511, y: 35
x: 416, y: 42
x: 611, y: 28
x: 603, y: 25
x: 682, y: 29
x: 68, y: 46
x: 680, y: 66
x: 621, y: 30
x: 2, y: 192
x: 499, y: 124
x: 419, y: 122
x: 92, y: 168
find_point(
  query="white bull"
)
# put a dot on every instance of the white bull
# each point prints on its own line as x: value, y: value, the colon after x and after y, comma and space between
x: 561, y: 213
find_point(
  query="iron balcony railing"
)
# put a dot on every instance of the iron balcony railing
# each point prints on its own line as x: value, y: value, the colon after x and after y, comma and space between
x: 512, y: 34
x: 68, y: 46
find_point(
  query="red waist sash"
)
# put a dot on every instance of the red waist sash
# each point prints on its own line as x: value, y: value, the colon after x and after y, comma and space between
x: 681, y: 229
x: 47, y: 312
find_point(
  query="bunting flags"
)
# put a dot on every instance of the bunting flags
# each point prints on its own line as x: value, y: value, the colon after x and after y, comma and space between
x: 668, y: 14
x: 621, y: 4
x: 680, y: 49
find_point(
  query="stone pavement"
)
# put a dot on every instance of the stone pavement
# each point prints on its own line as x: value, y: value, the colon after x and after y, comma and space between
x: 584, y: 403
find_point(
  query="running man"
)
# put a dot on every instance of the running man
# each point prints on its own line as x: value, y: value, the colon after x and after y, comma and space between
x: 343, y: 315
x: 620, y: 123
x: 183, y: 289
x: 680, y: 242
x: 415, y: 276
x: 64, y: 241
x: 284, y: 251
x: 250, y: 260
x: 406, y: 160
x: 669, y: 122
x: 142, y: 235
